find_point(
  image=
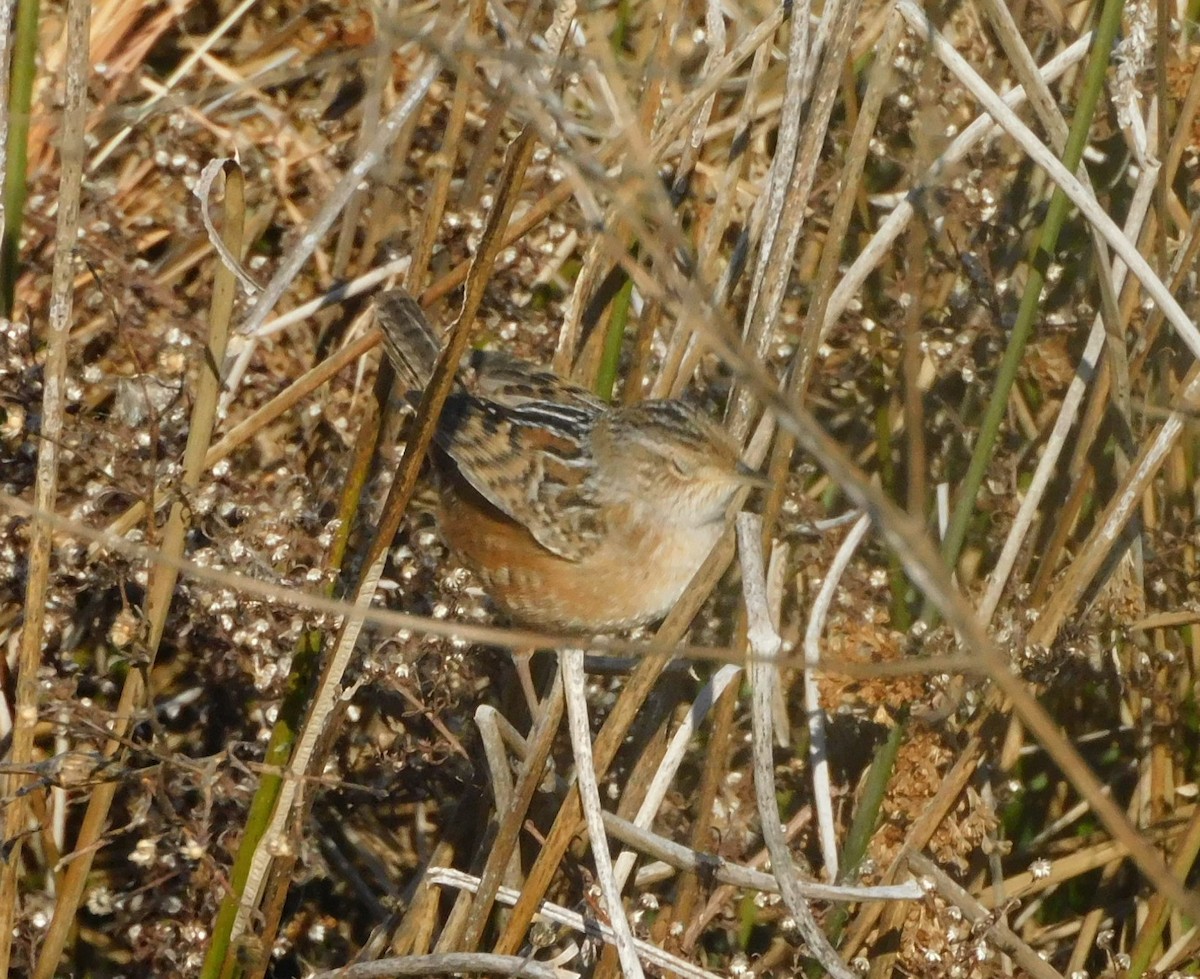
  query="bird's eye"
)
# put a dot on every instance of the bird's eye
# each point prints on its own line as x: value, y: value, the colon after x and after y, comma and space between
x: 683, y: 467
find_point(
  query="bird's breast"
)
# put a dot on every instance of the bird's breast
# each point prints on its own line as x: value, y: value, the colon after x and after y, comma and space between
x: 634, y: 575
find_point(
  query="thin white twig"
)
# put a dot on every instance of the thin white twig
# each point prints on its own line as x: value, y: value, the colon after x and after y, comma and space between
x: 491, y: 724
x: 203, y: 46
x: 1173, y: 957
x: 776, y: 252
x: 832, y: 523
x: 673, y: 758
x: 338, y: 294
x: 765, y: 646
x: 769, y: 206
x: 589, y: 797
x: 322, y: 705
x: 819, y: 757
x: 943, y: 509
x: 446, y: 877
x: 776, y: 570
x: 684, y: 858
x: 338, y: 198
x: 893, y: 226
x: 1068, y: 411
x: 28, y: 688
x: 446, y: 964
x: 487, y: 720
x: 1044, y: 157
x: 201, y: 192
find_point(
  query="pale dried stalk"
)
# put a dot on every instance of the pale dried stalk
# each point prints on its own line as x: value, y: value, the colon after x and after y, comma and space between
x: 447, y: 156
x: 1067, y: 413
x: 765, y: 646
x: 1045, y: 158
x: 378, y: 76
x: 54, y: 378
x: 893, y: 226
x: 493, y: 727
x: 517, y: 36
x: 817, y: 754
x: 445, y: 964
x: 181, y: 72
x: 575, y: 688
x: 204, y: 412
x: 843, y: 208
x: 1142, y: 470
x: 792, y: 184
x: 322, y: 222
x: 673, y: 759
x: 541, y: 739
x: 447, y: 877
x: 1052, y: 120
x: 340, y: 293
x: 683, y: 348
x: 6, y: 20
x: 685, y: 858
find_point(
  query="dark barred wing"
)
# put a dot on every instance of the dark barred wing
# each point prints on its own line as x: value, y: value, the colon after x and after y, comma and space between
x: 532, y: 461
x: 518, y: 434
x: 409, y: 340
x: 511, y: 381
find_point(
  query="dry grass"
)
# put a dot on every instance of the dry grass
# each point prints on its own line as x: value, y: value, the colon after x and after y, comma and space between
x: 652, y: 155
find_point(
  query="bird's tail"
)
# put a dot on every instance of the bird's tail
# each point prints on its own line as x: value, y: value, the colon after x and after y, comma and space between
x: 411, y: 344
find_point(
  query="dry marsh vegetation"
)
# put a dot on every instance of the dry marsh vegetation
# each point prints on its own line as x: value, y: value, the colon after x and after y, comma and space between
x: 257, y: 722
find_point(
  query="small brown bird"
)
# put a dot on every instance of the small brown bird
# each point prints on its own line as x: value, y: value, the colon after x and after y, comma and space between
x: 578, y: 516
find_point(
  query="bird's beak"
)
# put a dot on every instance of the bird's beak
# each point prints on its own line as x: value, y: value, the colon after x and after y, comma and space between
x: 752, y: 477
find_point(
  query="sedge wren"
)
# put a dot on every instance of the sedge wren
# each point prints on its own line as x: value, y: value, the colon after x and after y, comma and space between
x: 577, y: 515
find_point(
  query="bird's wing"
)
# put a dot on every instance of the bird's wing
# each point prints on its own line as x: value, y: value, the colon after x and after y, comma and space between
x: 531, y: 460
x: 510, y: 381
x: 410, y: 342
